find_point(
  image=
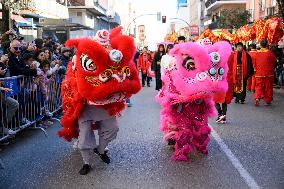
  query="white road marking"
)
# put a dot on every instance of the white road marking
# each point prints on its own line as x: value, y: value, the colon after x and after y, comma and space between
x: 234, y: 160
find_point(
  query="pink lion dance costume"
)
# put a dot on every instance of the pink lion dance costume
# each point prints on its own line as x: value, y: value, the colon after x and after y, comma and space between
x: 187, y: 95
x: 100, y: 77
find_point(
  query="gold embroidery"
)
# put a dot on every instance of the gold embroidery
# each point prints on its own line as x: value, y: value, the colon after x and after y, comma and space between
x: 239, y: 79
x: 93, y: 80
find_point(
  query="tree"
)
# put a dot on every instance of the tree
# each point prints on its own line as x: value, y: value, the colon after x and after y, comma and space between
x: 9, y: 7
x: 280, y: 4
x: 5, y: 15
x: 233, y: 19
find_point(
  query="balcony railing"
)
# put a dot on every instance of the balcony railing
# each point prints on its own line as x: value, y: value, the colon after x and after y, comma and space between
x: 76, y: 3
x: 210, y: 2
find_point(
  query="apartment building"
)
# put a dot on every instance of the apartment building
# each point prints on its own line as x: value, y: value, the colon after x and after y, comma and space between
x: 214, y: 7
x: 93, y: 15
x: 261, y: 8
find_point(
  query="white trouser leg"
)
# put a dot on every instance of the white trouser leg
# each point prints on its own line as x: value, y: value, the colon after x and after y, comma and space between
x: 87, y: 141
x: 87, y: 156
x: 107, y: 132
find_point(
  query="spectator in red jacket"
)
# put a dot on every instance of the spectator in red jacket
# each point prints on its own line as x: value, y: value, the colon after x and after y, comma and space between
x: 144, y: 64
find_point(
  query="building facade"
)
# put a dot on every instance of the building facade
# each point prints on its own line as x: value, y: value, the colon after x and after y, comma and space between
x: 182, y: 28
x: 196, y: 16
x: 35, y: 11
x: 93, y: 15
x: 213, y: 9
x: 261, y: 8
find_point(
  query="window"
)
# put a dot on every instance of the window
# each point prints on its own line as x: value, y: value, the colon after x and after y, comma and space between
x: 89, y: 16
x: 79, y: 13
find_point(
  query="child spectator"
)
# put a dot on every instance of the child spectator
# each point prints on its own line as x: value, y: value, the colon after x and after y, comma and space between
x: 44, y: 80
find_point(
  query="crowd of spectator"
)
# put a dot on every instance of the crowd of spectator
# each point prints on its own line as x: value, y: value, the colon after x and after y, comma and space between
x: 40, y: 59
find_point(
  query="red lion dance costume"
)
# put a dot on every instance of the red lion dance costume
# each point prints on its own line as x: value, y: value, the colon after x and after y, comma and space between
x: 99, y: 79
x: 187, y: 95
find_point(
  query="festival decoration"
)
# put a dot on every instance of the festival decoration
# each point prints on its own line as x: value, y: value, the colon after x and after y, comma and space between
x: 271, y: 29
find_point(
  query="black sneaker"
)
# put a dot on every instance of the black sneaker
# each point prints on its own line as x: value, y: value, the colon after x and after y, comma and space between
x: 148, y: 85
x: 105, y: 158
x: 97, y: 152
x: 171, y: 142
x: 218, y: 119
x: 85, y: 169
x: 242, y: 102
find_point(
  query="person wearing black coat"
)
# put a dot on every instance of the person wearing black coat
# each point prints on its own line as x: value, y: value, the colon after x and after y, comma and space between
x: 156, y: 65
x: 16, y: 65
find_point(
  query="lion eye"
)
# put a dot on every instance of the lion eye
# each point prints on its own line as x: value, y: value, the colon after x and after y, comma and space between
x: 188, y: 63
x: 221, y: 71
x: 87, y: 63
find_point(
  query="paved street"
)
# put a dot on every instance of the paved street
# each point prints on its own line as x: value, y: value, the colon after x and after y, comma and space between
x: 140, y: 159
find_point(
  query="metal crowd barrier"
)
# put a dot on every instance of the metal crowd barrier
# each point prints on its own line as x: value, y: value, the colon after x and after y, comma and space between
x: 31, y: 104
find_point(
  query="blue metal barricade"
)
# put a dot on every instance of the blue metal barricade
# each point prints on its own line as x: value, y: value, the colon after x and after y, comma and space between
x: 24, y: 104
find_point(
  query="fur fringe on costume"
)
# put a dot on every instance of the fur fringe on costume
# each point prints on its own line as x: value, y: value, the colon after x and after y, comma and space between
x: 187, y: 93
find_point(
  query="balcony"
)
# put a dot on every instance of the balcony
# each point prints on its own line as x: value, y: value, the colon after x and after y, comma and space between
x: 90, y: 5
x: 214, y: 4
x: 209, y: 2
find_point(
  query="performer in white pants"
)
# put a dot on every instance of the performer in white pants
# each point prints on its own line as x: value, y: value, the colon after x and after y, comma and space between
x: 99, y: 78
x: 107, y: 130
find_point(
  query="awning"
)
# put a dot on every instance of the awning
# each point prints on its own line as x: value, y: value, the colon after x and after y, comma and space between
x: 17, y: 18
x: 70, y: 26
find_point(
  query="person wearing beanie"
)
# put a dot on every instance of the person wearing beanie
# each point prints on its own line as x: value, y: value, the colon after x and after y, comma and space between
x: 264, y: 74
x: 242, y: 70
x: 65, y: 56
